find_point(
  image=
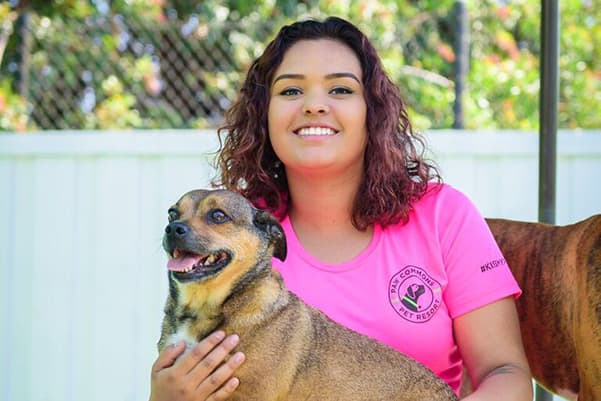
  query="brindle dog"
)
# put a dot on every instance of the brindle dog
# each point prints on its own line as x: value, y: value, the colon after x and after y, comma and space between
x: 559, y: 271
x: 220, y: 277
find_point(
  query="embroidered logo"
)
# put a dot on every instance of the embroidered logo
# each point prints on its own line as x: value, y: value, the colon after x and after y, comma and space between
x: 414, y: 294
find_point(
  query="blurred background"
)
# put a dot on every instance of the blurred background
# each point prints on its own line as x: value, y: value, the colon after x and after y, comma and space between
x: 101, y: 64
x: 108, y: 112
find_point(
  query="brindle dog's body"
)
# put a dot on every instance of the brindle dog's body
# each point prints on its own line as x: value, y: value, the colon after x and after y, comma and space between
x: 559, y: 271
x: 293, y: 352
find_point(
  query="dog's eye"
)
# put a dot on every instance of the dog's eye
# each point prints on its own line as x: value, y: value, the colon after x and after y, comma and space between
x: 218, y: 216
x: 172, y: 215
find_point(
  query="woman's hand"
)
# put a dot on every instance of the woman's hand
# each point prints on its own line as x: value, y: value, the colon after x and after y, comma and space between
x: 201, y: 374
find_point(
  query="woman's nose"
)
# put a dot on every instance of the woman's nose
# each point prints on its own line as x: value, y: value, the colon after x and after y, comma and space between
x: 315, y: 107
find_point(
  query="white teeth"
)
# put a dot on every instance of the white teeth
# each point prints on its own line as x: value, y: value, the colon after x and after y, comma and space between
x: 210, y: 260
x: 315, y: 131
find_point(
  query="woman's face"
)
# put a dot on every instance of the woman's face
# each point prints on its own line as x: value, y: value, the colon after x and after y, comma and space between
x: 317, y: 110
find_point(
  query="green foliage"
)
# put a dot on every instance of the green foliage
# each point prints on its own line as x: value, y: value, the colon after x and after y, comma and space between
x: 13, y: 109
x: 504, y: 78
x: 415, y: 39
x: 116, y: 110
x: 52, y: 8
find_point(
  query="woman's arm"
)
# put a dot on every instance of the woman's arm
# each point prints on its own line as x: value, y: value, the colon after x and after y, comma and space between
x: 204, y: 373
x: 490, y: 342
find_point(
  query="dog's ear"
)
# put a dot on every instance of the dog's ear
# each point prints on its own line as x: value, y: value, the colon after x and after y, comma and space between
x: 271, y: 227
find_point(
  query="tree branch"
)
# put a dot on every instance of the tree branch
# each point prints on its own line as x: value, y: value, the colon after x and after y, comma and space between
x: 427, y: 76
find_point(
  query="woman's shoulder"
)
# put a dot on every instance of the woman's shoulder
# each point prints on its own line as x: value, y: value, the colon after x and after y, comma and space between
x: 442, y: 194
x: 443, y: 206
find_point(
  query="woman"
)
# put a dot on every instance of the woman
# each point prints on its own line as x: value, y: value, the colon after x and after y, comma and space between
x: 320, y: 137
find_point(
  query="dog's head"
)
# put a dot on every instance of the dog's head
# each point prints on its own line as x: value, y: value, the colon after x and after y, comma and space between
x: 218, y: 235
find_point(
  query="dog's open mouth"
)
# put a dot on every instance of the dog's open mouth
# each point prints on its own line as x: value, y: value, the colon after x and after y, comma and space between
x: 191, y: 266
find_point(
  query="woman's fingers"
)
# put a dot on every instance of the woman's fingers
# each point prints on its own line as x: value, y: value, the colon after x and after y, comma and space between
x: 212, y: 373
x: 202, y: 371
x: 222, y: 379
x: 190, y: 360
x: 168, y: 356
x: 166, y: 384
x: 224, y: 392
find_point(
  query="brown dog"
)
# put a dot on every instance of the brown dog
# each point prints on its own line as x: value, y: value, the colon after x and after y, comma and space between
x: 221, y: 278
x: 559, y: 271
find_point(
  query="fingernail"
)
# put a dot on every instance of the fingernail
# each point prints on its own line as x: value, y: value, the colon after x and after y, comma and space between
x: 238, y: 357
x: 219, y: 335
x: 234, y: 382
x: 233, y: 339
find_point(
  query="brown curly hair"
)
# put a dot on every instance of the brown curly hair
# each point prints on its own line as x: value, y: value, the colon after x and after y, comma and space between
x: 396, y: 172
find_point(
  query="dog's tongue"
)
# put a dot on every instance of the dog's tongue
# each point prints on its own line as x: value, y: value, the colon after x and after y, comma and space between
x: 183, y: 263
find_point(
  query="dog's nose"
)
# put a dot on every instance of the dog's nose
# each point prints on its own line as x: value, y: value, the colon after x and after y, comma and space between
x: 176, y: 229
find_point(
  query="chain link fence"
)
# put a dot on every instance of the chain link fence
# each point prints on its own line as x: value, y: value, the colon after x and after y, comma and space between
x: 174, y: 74
x: 114, y: 72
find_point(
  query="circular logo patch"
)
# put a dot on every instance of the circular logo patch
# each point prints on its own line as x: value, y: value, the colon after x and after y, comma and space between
x: 414, y: 294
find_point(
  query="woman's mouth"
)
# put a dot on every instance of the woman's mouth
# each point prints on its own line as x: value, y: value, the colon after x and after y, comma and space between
x: 316, y: 131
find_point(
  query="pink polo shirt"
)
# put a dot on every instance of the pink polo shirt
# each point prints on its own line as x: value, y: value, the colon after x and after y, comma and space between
x: 406, y: 287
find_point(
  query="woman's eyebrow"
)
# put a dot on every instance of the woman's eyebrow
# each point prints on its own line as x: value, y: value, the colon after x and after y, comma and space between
x: 288, y: 76
x: 343, y: 75
x: 328, y: 76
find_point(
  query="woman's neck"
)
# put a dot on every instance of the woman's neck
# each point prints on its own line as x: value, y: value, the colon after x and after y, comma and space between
x: 323, y: 203
x: 321, y: 214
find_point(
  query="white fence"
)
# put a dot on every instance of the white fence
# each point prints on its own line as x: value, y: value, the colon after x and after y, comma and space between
x: 83, y: 277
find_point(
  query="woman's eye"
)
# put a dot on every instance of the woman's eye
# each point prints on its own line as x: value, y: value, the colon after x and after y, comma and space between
x: 340, y: 90
x: 218, y: 216
x: 290, y: 92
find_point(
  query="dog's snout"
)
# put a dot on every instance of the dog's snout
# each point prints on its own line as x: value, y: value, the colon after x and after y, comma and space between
x: 177, y: 229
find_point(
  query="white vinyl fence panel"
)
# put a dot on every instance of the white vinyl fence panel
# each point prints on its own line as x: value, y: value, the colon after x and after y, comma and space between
x: 83, y: 273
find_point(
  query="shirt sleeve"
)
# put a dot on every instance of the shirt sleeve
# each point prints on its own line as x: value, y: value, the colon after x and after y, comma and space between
x: 477, y: 272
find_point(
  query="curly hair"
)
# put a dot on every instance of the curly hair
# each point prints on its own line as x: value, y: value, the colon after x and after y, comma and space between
x: 396, y: 172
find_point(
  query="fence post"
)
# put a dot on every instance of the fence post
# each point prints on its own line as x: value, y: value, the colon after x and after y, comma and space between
x: 462, y: 45
x: 548, y: 98
x: 24, y: 52
x: 548, y: 109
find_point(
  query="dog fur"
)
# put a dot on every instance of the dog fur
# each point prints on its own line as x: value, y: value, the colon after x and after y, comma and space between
x: 559, y: 271
x: 293, y: 352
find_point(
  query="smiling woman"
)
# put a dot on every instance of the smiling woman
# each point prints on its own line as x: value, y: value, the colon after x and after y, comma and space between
x: 320, y: 137
x: 316, y: 116
x: 349, y: 70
